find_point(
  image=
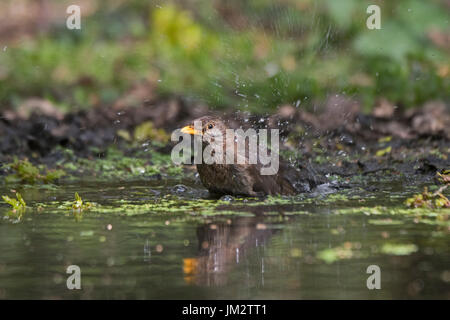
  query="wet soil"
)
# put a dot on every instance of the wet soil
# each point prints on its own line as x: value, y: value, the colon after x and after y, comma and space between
x: 339, y: 140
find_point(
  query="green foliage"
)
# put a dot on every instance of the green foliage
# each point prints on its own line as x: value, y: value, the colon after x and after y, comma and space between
x: 80, y: 205
x: 18, y: 205
x: 259, y: 55
x: 146, y: 131
x: 444, y: 177
x: 26, y: 172
x: 176, y: 28
x: 427, y: 199
x: 383, y: 152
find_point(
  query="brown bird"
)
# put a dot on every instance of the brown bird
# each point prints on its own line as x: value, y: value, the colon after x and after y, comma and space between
x: 245, y: 179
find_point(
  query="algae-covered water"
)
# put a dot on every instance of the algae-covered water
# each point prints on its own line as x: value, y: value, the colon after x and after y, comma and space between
x: 163, y: 240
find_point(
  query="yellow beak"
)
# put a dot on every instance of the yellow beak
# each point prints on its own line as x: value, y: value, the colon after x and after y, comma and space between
x: 190, y: 130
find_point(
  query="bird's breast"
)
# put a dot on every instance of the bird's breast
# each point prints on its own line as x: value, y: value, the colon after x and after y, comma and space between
x: 225, y: 179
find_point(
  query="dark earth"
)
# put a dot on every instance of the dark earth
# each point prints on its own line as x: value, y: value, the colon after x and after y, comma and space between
x: 390, y: 141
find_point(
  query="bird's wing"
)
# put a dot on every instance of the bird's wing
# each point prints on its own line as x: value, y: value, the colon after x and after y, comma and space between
x: 288, y: 180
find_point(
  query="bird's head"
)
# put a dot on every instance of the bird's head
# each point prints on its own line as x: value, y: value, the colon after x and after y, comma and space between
x: 209, y: 128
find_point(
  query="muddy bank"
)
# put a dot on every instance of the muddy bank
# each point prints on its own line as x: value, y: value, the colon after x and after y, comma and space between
x: 338, y: 140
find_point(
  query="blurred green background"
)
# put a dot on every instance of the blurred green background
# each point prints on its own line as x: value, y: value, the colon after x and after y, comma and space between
x: 245, y: 54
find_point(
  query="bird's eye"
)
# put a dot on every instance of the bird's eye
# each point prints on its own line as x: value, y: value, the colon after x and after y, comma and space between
x: 210, y: 126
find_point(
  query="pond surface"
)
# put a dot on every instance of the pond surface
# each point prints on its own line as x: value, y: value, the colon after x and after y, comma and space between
x: 156, y: 240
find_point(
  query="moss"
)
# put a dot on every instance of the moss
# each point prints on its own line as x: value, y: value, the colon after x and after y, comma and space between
x: 174, y: 170
x: 26, y: 172
x: 117, y: 165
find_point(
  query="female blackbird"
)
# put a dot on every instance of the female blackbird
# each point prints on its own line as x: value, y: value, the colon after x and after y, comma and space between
x: 245, y: 179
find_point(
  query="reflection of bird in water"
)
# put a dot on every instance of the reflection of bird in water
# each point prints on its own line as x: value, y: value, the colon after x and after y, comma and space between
x: 246, y: 179
x: 221, y: 247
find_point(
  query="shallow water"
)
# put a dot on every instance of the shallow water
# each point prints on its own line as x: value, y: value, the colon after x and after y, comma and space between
x: 141, y: 244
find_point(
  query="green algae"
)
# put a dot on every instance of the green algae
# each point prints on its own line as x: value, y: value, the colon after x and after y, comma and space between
x: 399, y: 249
x: 439, y: 217
x: 353, y: 250
x: 278, y: 200
x: 396, y: 210
x: 169, y: 205
x: 385, y: 222
x: 142, y: 201
x: 347, y: 250
x: 296, y: 212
